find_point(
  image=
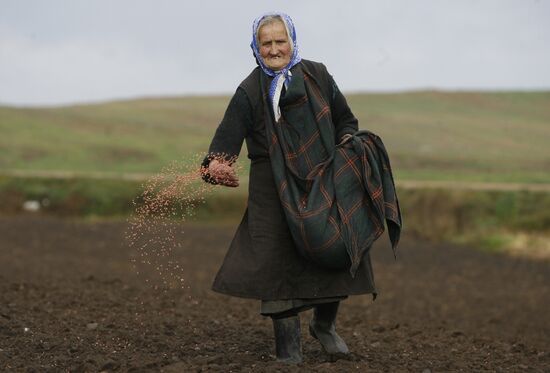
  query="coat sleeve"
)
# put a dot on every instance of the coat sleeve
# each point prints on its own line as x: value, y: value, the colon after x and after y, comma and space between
x: 231, y: 132
x: 342, y: 117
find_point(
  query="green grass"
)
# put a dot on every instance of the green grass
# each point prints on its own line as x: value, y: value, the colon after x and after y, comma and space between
x: 126, y: 136
x: 490, y: 220
x: 467, y: 136
x: 461, y: 136
x: 427, y: 212
x: 447, y: 213
x: 105, y: 198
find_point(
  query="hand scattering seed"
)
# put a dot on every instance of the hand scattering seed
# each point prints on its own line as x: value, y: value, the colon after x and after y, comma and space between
x: 156, y: 228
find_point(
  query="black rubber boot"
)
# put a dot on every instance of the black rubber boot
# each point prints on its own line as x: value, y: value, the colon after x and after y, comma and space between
x: 322, y: 327
x: 288, y: 346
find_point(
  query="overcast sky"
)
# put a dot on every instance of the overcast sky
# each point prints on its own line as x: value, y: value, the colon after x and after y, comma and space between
x: 67, y: 51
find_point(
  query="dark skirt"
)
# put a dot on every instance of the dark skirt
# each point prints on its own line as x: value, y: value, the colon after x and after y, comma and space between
x: 289, y: 307
x: 262, y: 262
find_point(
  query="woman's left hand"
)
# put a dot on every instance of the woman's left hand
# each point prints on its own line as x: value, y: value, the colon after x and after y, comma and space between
x: 345, y: 138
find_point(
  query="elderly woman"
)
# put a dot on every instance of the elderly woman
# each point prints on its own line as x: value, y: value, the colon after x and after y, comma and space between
x: 314, y: 207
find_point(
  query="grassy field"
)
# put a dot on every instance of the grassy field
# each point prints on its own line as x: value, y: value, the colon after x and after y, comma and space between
x: 496, y: 137
x: 435, y: 139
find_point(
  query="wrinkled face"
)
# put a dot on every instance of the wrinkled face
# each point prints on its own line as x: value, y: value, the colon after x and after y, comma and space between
x: 274, y: 45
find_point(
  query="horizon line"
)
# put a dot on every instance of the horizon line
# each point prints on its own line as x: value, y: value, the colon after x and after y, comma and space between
x: 92, y: 102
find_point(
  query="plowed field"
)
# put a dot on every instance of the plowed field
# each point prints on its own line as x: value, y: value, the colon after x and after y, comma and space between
x: 70, y: 300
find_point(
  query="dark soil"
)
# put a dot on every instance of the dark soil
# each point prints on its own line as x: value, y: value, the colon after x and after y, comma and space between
x: 70, y: 300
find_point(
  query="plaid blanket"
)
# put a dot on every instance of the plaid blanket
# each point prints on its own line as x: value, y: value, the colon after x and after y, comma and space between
x: 336, y: 198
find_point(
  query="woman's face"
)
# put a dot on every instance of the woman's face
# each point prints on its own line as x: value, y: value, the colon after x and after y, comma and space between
x: 274, y: 45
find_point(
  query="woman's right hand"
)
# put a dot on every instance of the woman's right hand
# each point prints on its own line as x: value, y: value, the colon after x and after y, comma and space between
x: 223, y: 173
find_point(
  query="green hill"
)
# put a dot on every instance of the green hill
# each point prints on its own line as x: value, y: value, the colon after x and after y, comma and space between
x: 468, y: 136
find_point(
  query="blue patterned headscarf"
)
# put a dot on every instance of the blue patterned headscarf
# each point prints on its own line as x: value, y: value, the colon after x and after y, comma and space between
x: 284, y: 75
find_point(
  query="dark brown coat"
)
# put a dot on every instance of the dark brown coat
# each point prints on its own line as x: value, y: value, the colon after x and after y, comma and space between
x: 262, y: 261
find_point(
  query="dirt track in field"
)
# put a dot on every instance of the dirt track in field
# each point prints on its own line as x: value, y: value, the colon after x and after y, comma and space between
x: 70, y: 300
x: 405, y: 184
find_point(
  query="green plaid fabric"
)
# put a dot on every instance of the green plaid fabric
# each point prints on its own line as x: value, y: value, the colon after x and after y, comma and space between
x: 336, y: 198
